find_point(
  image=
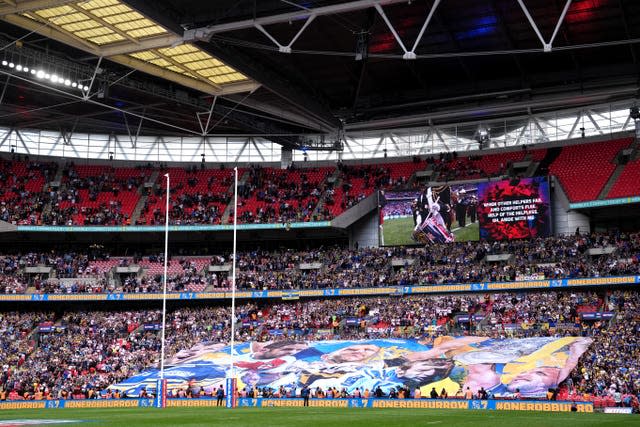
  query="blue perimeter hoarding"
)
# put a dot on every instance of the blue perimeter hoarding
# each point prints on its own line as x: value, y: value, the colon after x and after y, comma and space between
x: 482, y: 405
x: 310, y: 293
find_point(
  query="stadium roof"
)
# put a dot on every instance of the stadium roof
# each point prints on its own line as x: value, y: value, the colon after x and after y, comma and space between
x: 285, y: 68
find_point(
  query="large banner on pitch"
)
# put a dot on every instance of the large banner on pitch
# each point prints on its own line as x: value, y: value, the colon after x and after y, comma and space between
x: 502, y: 367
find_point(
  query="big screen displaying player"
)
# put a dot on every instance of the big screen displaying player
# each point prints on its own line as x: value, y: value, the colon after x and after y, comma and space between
x: 438, y: 214
x: 499, y: 210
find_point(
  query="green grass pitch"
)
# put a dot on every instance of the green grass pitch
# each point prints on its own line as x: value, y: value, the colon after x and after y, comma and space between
x: 304, y: 417
x: 397, y: 231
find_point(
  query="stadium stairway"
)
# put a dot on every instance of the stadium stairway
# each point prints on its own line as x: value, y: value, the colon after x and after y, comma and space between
x: 547, y: 160
x: 229, y: 209
x: 59, y: 175
x: 56, y: 181
x: 611, y: 182
x: 336, y: 181
x: 624, y: 178
x: 137, y: 211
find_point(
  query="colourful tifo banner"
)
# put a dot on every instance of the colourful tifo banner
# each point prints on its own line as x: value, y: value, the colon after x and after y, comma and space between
x: 490, y: 405
x: 529, y: 366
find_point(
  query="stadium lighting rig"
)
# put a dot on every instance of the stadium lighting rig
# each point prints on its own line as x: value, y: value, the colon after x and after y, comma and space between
x: 41, y: 74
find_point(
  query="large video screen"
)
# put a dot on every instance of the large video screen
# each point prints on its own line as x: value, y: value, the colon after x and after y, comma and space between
x: 515, y: 209
x: 499, y: 210
x: 530, y: 365
x: 441, y: 214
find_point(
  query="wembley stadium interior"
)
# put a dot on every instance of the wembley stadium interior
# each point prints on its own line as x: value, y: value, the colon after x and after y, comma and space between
x: 433, y: 195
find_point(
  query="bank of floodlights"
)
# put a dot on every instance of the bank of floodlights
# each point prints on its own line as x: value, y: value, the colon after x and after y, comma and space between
x: 41, y: 74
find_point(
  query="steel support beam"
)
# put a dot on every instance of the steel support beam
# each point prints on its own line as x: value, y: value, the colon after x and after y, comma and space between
x: 546, y: 46
x: 287, y: 48
x: 595, y: 124
x: 408, y: 54
x: 205, y: 33
x: 540, y: 129
x: 575, y: 124
x: 205, y: 127
x: 4, y: 89
x: 132, y: 137
x: 93, y: 78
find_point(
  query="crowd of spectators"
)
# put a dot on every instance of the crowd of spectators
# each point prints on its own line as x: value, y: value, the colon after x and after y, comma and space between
x: 452, y: 167
x: 82, y: 351
x: 15, y: 278
x: 611, y: 367
x: 456, y: 169
x: 31, y: 196
x: 267, y: 195
x: 550, y: 258
x: 539, y: 308
x: 191, y: 200
x: 339, y: 267
x: 270, y: 195
x: 186, y: 209
x: 79, y: 353
x: 22, y: 200
x: 91, y: 199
